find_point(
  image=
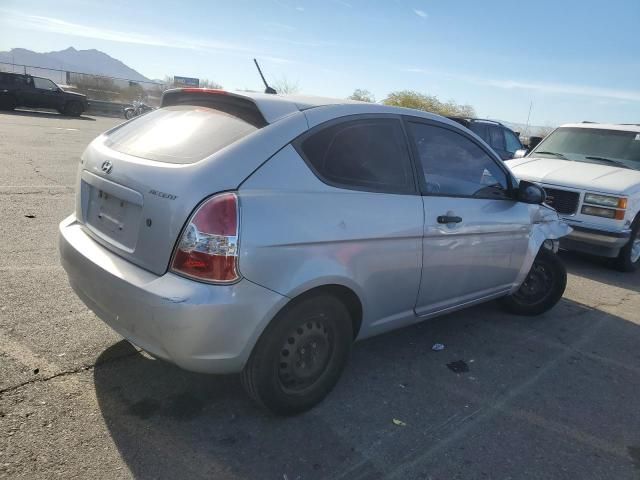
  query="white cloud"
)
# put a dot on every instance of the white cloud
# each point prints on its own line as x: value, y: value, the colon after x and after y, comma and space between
x: 420, y: 13
x: 300, y: 9
x: 541, y: 87
x: 55, y: 25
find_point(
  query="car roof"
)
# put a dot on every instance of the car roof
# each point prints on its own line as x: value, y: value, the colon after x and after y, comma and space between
x: 276, y: 107
x: 605, y: 126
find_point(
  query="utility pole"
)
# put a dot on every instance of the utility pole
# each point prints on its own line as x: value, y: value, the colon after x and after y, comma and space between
x: 528, y: 117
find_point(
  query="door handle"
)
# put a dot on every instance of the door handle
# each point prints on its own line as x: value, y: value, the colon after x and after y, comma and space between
x: 449, y: 219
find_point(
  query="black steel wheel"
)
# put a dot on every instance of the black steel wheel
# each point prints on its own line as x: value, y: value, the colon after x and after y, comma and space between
x: 542, y: 288
x: 300, y: 356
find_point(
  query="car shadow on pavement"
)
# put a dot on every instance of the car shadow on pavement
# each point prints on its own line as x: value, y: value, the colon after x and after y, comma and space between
x: 45, y: 114
x: 600, y: 269
x: 401, y: 409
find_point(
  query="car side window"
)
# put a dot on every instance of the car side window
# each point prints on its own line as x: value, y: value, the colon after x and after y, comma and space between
x: 496, y: 137
x: 480, y: 129
x: 43, y: 84
x: 367, y: 154
x: 513, y: 143
x: 453, y: 165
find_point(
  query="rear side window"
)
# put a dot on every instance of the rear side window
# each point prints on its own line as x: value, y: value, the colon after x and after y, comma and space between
x: 367, y: 154
x: 480, y: 129
x: 496, y: 137
x: 179, y: 134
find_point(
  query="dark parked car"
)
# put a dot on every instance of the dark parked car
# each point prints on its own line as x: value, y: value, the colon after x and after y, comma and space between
x: 19, y: 90
x: 502, y: 139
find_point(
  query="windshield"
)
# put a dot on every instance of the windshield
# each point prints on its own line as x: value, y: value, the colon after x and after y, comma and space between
x: 592, y: 145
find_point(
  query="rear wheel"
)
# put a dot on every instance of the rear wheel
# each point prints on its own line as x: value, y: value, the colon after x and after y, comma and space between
x: 8, y: 102
x: 542, y: 289
x: 629, y: 258
x: 73, y: 109
x: 300, y: 356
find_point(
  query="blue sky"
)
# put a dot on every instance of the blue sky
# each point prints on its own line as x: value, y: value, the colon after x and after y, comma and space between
x: 575, y: 60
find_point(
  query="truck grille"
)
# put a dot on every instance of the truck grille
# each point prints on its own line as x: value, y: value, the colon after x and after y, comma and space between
x: 563, y: 201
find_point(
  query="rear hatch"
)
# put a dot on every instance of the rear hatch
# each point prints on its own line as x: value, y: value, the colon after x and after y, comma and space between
x: 140, y: 181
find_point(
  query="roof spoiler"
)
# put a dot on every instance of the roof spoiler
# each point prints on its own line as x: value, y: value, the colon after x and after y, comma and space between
x: 232, y: 104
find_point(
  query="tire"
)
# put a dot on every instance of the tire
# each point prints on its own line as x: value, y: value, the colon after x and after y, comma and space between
x: 73, y: 109
x: 129, y: 114
x: 300, y: 356
x: 8, y: 102
x: 629, y: 257
x: 542, y: 289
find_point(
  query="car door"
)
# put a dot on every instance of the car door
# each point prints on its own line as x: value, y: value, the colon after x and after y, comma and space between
x: 354, y: 217
x: 45, y: 93
x: 475, y: 234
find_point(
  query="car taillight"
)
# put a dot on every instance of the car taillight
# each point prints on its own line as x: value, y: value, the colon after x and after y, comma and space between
x: 208, y: 248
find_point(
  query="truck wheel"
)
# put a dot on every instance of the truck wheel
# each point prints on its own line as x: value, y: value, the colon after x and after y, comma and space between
x: 629, y: 257
x: 300, y: 356
x: 8, y: 102
x: 73, y: 109
x: 542, y: 289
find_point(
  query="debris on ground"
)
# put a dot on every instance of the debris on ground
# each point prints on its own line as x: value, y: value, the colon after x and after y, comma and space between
x: 459, y: 366
x: 30, y: 216
x: 399, y: 423
x: 437, y: 347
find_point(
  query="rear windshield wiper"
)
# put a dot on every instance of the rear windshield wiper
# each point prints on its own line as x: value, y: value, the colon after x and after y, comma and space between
x: 555, y: 154
x: 617, y: 163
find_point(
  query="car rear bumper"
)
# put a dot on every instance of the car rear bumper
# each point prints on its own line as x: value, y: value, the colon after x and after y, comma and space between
x: 197, y: 326
x: 595, y: 241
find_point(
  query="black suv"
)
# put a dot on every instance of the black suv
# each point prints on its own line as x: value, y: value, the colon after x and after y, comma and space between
x: 502, y: 139
x: 18, y: 90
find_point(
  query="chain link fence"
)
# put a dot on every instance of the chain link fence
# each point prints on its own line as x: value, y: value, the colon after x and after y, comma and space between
x: 106, y: 95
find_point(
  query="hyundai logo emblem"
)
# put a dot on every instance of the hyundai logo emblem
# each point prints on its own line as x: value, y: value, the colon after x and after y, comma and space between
x: 107, y: 166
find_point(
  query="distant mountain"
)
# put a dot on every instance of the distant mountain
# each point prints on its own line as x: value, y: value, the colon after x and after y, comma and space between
x: 83, y: 61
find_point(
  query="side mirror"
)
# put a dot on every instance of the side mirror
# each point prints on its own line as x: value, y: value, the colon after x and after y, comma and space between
x: 531, y: 193
x: 520, y: 153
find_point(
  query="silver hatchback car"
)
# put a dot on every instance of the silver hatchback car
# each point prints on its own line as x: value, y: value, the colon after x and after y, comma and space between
x: 261, y: 234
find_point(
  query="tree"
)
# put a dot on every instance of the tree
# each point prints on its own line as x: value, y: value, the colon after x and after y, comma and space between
x: 362, y: 95
x: 285, y: 86
x: 428, y: 103
x: 206, y: 83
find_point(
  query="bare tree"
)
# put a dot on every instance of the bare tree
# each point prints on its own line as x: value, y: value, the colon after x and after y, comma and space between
x: 206, y: 83
x: 285, y: 86
x: 362, y: 95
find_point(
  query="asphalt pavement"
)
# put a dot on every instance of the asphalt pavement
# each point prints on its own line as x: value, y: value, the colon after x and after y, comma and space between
x: 553, y: 397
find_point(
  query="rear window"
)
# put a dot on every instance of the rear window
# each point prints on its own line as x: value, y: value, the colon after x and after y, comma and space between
x: 179, y: 134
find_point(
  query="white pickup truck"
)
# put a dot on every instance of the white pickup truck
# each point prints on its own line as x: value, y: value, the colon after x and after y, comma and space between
x: 591, y: 173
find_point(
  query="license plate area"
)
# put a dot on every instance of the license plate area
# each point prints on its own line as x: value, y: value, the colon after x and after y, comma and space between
x: 113, y: 218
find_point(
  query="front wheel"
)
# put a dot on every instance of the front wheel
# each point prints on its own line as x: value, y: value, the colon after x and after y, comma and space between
x: 73, y: 109
x: 542, y: 289
x: 629, y: 258
x: 300, y: 356
x: 129, y: 113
